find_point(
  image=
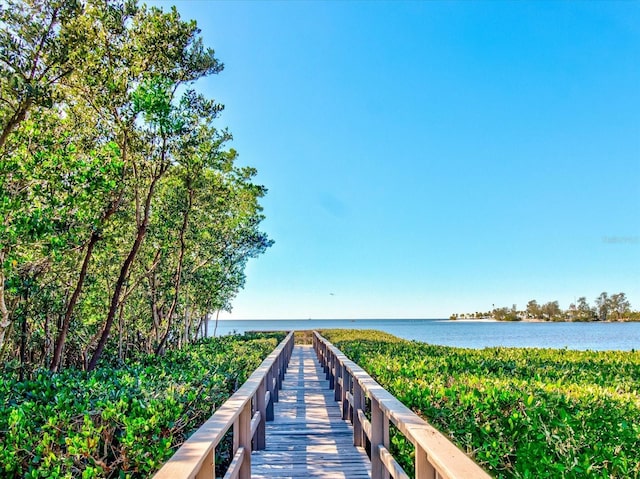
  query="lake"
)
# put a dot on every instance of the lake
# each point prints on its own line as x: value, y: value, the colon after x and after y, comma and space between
x: 469, y: 334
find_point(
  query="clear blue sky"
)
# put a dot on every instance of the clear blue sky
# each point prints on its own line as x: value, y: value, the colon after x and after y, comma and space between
x: 424, y: 158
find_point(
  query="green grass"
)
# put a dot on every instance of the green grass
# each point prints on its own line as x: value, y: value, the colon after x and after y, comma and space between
x: 520, y: 413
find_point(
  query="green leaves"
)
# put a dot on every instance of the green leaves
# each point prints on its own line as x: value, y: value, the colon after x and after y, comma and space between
x: 123, y: 421
x: 523, y: 413
x: 153, y: 99
x: 122, y: 208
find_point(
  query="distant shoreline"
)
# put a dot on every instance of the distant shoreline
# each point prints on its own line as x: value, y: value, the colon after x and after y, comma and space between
x: 538, y: 320
x: 336, y: 319
x: 458, y: 320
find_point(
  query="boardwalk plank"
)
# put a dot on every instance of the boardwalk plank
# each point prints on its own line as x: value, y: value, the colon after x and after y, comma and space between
x: 308, y: 438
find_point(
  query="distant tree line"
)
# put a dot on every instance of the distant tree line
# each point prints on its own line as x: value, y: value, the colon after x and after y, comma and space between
x: 615, y: 307
x: 124, y: 219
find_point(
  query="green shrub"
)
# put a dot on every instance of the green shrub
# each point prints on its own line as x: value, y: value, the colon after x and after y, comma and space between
x: 120, y: 422
x: 520, y: 413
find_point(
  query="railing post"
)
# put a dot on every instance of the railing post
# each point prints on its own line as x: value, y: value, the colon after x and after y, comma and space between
x: 261, y: 407
x: 208, y: 469
x: 337, y: 393
x: 276, y: 394
x: 346, y: 388
x: 332, y: 371
x: 327, y: 362
x: 358, y: 404
x: 244, y: 440
x: 269, y: 387
x: 379, y: 436
x: 325, y: 358
x: 236, y: 435
x: 424, y: 469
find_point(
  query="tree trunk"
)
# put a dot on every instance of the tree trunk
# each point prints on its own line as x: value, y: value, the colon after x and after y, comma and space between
x: 46, y: 347
x: 215, y: 328
x: 66, y: 322
x: 124, y: 272
x: 155, y: 314
x: 120, y: 332
x: 17, y: 118
x: 115, y: 298
x: 23, y: 335
x: 187, y: 324
x: 174, y: 303
x: 5, y: 317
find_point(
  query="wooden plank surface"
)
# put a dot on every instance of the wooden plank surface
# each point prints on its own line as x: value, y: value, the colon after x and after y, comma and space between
x: 308, y: 438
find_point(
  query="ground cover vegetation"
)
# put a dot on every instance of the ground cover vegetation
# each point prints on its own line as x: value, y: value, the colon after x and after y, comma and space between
x: 615, y: 307
x: 520, y: 413
x: 121, y: 420
x: 124, y: 216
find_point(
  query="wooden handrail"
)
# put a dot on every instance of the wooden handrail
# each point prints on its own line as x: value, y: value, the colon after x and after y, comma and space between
x: 246, y: 411
x: 435, y: 456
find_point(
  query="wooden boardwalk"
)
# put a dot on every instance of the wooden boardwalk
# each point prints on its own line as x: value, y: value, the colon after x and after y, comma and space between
x: 303, y: 435
x: 308, y: 437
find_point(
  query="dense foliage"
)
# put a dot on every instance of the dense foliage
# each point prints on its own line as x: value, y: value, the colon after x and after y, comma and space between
x: 120, y: 421
x: 520, y: 413
x: 124, y: 217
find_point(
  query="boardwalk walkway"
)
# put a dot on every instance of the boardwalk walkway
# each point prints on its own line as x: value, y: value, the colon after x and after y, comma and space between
x: 308, y: 438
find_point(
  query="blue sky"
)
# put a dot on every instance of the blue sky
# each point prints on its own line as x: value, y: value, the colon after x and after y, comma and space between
x: 425, y: 158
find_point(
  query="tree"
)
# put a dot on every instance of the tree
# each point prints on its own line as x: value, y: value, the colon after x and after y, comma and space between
x: 505, y: 314
x: 38, y: 48
x: 50, y: 188
x: 603, y: 306
x: 533, y: 309
x: 165, y: 124
x: 199, y: 150
x: 551, y: 311
x: 584, y: 312
x: 619, y: 305
x: 116, y: 190
x: 36, y: 52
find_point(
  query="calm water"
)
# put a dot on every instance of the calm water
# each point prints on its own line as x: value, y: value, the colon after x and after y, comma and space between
x: 470, y: 334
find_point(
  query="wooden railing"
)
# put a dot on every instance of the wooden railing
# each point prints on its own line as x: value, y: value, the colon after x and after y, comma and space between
x: 246, y: 411
x: 435, y: 456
